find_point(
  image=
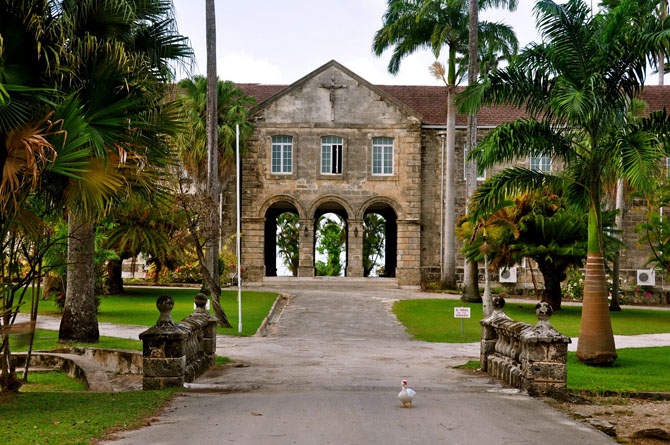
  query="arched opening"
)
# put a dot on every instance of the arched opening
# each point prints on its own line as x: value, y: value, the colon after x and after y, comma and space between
x: 330, y: 241
x: 282, y: 240
x: 380, y: 241
x: 374, y: 245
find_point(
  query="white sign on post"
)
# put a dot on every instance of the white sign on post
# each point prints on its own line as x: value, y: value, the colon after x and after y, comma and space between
x: 461, y: 312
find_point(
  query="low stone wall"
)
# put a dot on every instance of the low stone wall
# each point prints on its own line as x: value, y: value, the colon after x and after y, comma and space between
x: 174, y: 354
x: 531, y: 358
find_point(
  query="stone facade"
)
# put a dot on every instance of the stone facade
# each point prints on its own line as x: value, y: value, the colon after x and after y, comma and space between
x: 332, y: 101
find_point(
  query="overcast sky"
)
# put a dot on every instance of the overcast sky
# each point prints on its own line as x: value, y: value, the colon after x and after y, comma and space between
x: 280, y: 41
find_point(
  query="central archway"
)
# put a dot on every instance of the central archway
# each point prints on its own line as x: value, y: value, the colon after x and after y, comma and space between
x: 331, y: 246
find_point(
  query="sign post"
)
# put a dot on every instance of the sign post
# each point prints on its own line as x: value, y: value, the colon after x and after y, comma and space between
x: 462, y: 313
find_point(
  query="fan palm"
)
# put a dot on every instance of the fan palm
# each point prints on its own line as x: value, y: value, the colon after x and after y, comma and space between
x: 577, y: 87
x: 114, y: 57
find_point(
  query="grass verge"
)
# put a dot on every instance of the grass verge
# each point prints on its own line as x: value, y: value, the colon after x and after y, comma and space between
x: 636, y: 370
x: 48, y: 341
x: 433, y: 320
x: 138, y: 307
x: 75, y: 417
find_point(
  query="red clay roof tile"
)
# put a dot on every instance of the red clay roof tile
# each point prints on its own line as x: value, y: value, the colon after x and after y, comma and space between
x: 429, y: 102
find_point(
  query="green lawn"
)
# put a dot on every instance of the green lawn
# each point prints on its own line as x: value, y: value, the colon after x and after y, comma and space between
x: 74, y: 417
x: 48, y: 341
x: 635, y: 370
x: 138, y: 307
x: 433, y: 320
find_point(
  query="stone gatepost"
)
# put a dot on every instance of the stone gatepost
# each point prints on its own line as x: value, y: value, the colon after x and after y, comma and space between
x: 208, y: 338
x: 489, y: 334
x: 544, y: 356
x: 164, y: 358
x: 532, y: 358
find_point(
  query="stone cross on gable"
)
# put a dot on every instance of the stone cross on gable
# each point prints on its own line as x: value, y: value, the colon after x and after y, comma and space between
x: 332, y: 87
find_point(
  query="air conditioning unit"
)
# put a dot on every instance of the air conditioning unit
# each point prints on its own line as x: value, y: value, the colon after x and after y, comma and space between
x: 646, y: 277
x: 507, y: 275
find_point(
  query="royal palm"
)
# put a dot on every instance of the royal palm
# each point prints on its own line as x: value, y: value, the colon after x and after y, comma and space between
x: 411, y: 25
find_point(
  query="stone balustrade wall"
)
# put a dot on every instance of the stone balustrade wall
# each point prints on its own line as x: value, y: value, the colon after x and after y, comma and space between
x: 531, y: 358
x: 176, y: 353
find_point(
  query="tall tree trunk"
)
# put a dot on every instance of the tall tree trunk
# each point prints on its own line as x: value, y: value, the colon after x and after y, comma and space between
x: 80, y: 314
x: 114, y: 282
x: 596, y: 339
x: 471, y: 275
x: 660, y: 57
x: 449, y: 260
x: 9, y: 381
x: 552, y: 292
x: 618, y: 222
x: 212, y: 234
x: 487, y: 306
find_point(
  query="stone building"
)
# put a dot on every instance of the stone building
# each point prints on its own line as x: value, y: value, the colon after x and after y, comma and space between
x: 331, y: 142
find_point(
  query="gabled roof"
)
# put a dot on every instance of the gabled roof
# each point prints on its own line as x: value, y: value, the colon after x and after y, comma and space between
x: 266, y: 94
x: 428, y: 102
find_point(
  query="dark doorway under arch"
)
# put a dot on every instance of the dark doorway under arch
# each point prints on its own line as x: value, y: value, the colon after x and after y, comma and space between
x: 270, y: 235
x: 391, y: 237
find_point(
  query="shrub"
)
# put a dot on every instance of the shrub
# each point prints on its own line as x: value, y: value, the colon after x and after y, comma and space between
x: 573, y: 286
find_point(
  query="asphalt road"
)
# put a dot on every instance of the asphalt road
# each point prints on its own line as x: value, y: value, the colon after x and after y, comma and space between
x: 329, y: 372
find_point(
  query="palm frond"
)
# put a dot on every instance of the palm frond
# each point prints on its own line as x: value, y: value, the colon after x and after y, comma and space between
x: 509, y: 183
x: 515, y: 140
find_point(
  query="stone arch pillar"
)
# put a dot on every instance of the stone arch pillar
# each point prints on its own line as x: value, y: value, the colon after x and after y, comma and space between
x: 307, y: 238
x: 355, y: 248
x: 253, y: 234
x: 408, y: 269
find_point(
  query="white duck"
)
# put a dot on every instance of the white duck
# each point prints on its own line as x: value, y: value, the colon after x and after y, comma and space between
x: 406, y: 395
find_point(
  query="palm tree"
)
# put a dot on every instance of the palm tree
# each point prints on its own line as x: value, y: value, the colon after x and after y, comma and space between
x: 486, y: 237
x: 577, y: 87
x: 114, y: 58
x: 410, y: 25
x: 192, y: 142
x: 651, y: 13
x: 212, y: 226
x: 471, y: 272
x: 148, y: 225
x: 195, y: 156
x: 27, y: 124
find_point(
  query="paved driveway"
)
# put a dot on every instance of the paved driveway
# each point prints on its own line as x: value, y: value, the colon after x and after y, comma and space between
x: 329, y: 372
